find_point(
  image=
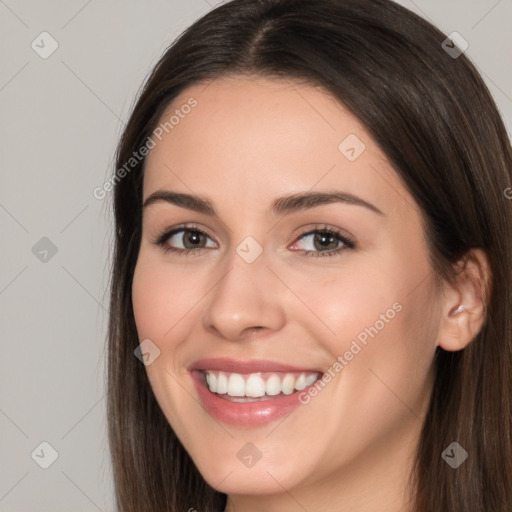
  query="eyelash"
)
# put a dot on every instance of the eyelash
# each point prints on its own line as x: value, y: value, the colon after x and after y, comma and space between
x: 162, y: 238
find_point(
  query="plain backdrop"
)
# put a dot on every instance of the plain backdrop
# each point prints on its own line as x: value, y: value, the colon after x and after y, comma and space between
x: 61, y: 116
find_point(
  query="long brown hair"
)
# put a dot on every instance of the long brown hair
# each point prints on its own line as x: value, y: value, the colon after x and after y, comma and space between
x: 434, y: 118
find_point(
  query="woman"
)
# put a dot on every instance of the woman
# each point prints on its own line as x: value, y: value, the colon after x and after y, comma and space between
x: 312, y: 268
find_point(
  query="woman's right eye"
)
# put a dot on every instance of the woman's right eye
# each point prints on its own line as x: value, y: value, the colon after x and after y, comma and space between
x: 190, y: 238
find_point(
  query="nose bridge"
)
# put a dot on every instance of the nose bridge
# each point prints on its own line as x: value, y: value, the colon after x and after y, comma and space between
x: 241, y: 299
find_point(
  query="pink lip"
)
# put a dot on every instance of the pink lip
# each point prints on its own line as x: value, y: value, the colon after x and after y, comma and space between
x: 253, y: 366
x: 249, y: 414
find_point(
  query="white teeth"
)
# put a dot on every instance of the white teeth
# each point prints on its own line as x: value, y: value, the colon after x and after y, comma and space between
x: 288, y: 384
x: 255, y: 386
x: 222, y: 384
x: 300, y: 383
x: 273, y: 385
x: 211, y: 379
x: 309, y: 380
x: 236, y: 385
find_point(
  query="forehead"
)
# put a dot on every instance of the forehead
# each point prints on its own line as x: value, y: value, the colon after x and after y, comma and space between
x: 250, y: 139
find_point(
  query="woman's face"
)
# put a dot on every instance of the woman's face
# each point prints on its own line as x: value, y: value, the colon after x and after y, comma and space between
x: 266, y: 300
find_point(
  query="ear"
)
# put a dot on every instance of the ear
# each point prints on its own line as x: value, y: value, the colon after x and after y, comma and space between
x: 465, y: 302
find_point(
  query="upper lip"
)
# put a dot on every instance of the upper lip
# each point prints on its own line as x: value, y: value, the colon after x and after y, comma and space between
x: 252, y: 366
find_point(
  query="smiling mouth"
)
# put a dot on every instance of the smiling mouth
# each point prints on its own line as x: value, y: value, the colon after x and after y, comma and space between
x: 254, y: 387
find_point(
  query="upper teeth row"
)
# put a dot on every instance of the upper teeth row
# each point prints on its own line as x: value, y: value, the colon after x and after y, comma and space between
x: 254, y: 385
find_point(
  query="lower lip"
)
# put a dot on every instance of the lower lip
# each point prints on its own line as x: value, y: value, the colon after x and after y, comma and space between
x: 249, y: 414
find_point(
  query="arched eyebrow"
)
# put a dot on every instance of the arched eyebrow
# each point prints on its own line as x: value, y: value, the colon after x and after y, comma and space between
x: 281, y: 206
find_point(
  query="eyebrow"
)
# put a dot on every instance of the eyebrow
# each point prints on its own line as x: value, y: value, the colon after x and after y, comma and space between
x: 281, y: 206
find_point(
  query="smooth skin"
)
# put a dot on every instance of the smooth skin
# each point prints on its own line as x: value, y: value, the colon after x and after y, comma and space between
x: 247, y: 142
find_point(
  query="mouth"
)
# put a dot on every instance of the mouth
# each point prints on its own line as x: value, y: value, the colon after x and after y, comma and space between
x: 251, y: 393
x: 258, y: 386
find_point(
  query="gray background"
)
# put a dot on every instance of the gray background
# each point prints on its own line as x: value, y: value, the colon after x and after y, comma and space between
x: 60, y: 121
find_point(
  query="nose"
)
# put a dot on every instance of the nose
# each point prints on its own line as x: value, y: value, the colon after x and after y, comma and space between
x: 245, y: 301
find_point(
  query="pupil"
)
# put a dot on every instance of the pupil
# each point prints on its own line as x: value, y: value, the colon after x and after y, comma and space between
x: 325, y: 239
x: 193, y: 237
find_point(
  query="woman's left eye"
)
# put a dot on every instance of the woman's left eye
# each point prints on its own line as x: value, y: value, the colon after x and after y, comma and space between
x: 325, y: 241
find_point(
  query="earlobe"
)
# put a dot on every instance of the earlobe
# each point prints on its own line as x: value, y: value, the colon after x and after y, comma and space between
x: 465, y: 302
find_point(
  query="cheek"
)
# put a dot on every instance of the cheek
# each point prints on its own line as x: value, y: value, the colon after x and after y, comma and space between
x: 148, y: 293
x: 162, y: 297
x: 348, y: 302
x: 380, y: 315
x: 163, y: 300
